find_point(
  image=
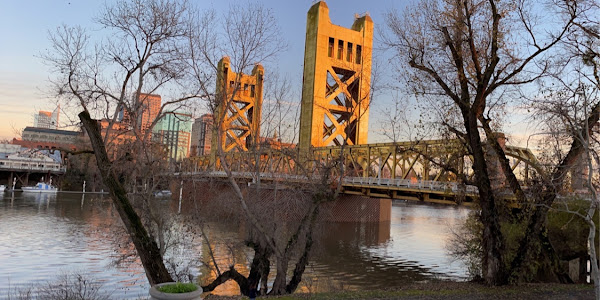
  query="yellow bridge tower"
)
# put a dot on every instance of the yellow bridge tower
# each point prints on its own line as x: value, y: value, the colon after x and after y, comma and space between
x: 237, y: 116
x: 337, y: 74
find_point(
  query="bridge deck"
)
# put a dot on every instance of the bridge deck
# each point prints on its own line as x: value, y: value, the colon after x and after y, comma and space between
x: 402, y: 189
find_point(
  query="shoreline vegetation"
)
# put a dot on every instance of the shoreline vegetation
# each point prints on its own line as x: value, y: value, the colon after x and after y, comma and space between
x: 448, y: 290
x: 85, y: 287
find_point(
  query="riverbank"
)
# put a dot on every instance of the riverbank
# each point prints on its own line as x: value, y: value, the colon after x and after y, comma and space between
x: 450, y: 290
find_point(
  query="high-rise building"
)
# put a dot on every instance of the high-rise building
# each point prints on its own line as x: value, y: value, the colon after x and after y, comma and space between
x: 146, y: 111
x: 201, y: 135
x: 173, y: 131
x: 46, y: 119
x: 150, y: 107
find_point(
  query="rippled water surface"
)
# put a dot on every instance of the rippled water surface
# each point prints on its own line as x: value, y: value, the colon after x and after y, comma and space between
x: 43, y: 236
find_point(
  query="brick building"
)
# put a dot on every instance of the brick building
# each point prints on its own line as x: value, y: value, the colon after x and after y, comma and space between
x: 145, y: 112
x: 45, y: 138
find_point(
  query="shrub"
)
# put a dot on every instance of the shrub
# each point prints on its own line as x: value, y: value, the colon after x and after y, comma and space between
x: 178, y: 287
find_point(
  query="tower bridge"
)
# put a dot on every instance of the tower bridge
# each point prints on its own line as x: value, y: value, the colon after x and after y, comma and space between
x: 401, y: 170
x: 334, y: 127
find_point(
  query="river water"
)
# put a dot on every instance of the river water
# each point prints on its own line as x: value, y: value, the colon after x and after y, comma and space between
x: 43, y: 237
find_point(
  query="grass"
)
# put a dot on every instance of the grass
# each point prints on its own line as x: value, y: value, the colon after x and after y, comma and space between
x: 347, y: 295
x: 178, y: 288
x: 448, y: 290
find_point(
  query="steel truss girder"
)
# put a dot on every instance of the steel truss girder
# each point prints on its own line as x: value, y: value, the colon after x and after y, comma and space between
x: 237, y: 116
x: 432, y: 160
x: 336, y: 86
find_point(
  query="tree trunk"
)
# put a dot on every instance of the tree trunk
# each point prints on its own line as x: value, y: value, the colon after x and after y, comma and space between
x: 303, y: 260
x: 595, y: 274
x: 279, y: 285
x: 232, y: 273
x: 534, y: 236
x: 494, y: 271
x: 259, y: 269
x: 146, y: 247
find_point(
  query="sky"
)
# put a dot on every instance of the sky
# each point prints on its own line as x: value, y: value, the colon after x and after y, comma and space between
x: 24, y: 27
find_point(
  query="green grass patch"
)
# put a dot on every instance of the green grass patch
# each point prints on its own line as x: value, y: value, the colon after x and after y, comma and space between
x: 178, y: 288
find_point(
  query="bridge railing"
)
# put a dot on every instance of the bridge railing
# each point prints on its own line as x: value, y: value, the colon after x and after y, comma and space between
x: 31, y: 165
x: 428, y: 185
x: 405, y: 184
x: 423, y: 161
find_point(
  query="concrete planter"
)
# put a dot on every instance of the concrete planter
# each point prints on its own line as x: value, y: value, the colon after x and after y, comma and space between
x: 155, y: 294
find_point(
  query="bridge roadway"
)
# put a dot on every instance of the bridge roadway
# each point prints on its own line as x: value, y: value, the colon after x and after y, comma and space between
x: 390, y: 188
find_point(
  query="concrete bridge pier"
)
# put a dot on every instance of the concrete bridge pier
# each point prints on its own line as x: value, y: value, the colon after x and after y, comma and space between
x: 356, y: 208
x: 347, y: 208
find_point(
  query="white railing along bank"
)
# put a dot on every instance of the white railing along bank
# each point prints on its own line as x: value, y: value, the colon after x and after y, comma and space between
x: 30, y: 165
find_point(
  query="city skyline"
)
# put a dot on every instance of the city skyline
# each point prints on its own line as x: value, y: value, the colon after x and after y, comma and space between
x: 24, y: 77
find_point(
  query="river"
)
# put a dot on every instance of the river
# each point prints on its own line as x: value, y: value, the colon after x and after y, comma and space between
x: 43, y: 237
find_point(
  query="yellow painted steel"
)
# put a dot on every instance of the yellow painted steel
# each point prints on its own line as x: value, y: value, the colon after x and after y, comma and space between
x: 424, y: 171
x: 431, y: 161
x: 336, y: 87
x: 238, y: 114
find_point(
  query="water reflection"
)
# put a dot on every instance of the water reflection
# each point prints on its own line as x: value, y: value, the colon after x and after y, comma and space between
x: 42, y: 235
x: 408, y: 249
x: 41, y: 199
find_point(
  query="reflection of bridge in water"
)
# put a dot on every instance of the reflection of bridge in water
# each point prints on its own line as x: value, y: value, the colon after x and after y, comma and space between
x: 423, y: 171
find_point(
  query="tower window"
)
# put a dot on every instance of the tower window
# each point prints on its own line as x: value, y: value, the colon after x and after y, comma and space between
x: 330, y: 47
x: 340, y: 49
x: 358, y: 54
x: 349, y: 53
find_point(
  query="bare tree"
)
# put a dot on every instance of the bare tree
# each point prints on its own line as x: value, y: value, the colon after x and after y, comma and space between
x: 143, y: 53
x: 250, y: 35
x: 280, y: 114
x: 565, y: 113
x: 569, y: 110
x: 462, y: 53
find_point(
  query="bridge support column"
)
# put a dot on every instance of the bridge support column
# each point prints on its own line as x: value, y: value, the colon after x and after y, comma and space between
x: 336, y: 81
x: 354, y: 208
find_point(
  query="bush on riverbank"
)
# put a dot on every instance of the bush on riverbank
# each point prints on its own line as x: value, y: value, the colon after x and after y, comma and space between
x: 567, y: 233
x: 67, y: 286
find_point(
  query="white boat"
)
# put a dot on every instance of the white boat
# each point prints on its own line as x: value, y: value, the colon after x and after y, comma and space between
x: 163, y: 193
x: 2, y: 188
x: 40, y: 187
